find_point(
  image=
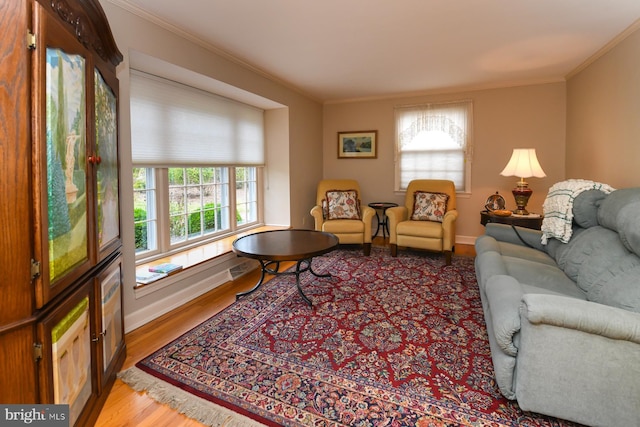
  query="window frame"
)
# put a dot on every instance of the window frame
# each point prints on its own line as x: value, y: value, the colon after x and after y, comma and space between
x: 467, y: 150
x: 162, y: 232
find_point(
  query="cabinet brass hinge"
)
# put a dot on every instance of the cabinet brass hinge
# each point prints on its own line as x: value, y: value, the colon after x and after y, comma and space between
x: 35, y: 269
x: 31, y: 40
x: 37, y: 351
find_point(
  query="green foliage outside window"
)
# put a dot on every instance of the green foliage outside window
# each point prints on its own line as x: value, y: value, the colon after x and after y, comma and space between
x: 177, y: 176
x: 140, y: 215
x: 212, y: 217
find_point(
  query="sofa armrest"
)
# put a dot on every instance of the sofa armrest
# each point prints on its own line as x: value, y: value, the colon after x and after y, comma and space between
x: 506, y: 233
x: 316, y: 213
x: 504, y: 295
x: 585, y: 316
x: 394, y: 216
x: 578, y: 360
x: 367, y: 217
x: 449, y: 227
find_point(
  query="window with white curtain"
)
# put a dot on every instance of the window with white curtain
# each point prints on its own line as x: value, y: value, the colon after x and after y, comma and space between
x: 197, y: 159
x: 434, y: 141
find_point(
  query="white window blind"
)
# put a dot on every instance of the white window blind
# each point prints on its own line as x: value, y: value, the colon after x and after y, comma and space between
x: 173, y: 124
x: 433, y: 141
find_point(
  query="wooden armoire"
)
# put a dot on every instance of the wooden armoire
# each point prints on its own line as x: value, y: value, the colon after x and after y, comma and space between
x: 61, y: 317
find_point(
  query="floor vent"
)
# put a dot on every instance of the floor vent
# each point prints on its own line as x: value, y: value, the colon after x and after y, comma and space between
x: 242, y: 268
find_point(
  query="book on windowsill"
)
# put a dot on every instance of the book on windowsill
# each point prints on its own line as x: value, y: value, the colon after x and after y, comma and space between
x: 167, y: 268
x: 146, y: 277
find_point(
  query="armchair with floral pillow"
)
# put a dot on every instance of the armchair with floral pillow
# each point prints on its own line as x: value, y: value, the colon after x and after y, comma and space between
x: 427, y: 219
x: 339, y: 211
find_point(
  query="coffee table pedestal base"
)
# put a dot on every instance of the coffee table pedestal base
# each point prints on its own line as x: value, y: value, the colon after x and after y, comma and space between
x: 267, y: 268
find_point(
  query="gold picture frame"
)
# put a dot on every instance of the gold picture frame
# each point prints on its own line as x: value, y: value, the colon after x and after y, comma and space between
x: 358, y: 144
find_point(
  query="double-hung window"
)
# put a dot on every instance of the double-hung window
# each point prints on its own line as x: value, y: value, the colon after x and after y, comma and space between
x: 434, y: 141
x: 197, y: 161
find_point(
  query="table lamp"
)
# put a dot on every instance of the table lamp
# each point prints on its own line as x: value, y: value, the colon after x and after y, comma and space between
x: 524, y: 164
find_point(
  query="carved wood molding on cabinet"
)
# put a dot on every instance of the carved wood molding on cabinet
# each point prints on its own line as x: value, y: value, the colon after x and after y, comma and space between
x: 88, y: 24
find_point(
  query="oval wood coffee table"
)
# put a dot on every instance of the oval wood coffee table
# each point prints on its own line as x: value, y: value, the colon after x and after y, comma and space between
x: 273, y: 247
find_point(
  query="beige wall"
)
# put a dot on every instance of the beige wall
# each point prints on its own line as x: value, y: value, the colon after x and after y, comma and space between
x: 294, y: 145
x: 602, y: 128
x: 507, y: 118
x: 603, y: 119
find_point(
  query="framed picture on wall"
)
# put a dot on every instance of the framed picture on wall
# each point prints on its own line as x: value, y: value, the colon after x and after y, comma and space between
x: 358, y: 144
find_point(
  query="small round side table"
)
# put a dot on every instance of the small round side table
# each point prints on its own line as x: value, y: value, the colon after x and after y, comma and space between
x: 383, y: 221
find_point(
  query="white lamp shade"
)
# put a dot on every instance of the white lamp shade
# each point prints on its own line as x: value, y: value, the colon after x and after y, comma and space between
x: 524, y: 164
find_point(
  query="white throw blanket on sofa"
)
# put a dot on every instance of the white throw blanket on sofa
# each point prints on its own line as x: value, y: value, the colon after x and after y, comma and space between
x: 558, y: 207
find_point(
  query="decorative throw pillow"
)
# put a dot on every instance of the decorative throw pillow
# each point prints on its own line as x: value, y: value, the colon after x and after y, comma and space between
x: 429, y: 206
x: 343, y: 204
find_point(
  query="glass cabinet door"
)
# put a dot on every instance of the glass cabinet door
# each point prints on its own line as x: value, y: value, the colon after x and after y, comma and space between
x: 105, y: 158
x: 66, y: 148
x: 110, y: 325
x: 63, y: 135
x: 68, y: 354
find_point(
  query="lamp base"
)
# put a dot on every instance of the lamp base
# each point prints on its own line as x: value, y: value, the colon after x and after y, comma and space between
x: 521, y: 193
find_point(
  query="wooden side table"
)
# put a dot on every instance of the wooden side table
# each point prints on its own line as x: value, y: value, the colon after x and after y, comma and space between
x: 533, y: 221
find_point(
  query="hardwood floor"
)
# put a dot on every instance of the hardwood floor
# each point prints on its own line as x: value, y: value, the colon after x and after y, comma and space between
x: 125, y: 407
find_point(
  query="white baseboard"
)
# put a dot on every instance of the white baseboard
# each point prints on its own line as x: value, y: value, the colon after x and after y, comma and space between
x: 466, y: 240
x: 156, y: 309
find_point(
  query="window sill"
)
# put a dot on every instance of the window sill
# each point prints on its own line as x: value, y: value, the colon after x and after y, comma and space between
x: 191, y: 258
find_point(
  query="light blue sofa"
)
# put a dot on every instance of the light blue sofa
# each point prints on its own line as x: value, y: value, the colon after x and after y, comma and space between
x: 564, y: 318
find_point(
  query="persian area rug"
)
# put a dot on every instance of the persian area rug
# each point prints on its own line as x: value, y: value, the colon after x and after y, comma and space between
x: 388, y: 342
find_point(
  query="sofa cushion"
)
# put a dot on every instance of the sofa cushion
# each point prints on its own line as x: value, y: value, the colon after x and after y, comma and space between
x: 526, y: 253
x: 557, y: 249
x: 486, y: 243
x: 613, y: 204
x: 619, y: 285
x: 628, y: 227
x: 544, y: 276
x: 593, y: 251
x: 343, y: 226
x: 429, y: 229
x: 513, y: 234
x: 585, y: 207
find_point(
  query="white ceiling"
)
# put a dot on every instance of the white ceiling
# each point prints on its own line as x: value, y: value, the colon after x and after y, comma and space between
x: 349, y: 49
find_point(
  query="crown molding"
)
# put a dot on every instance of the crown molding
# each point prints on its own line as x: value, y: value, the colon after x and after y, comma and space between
x: 605, y: 49
x: 448, y: 90
x: 143, y: 14
x: 126, y: 5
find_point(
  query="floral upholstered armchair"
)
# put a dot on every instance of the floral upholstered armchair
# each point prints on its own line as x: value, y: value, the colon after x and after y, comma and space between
x: 339, y: 211
x: 428, y: 218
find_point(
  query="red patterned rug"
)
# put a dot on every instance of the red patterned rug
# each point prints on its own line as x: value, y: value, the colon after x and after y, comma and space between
x: 388, y: 342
